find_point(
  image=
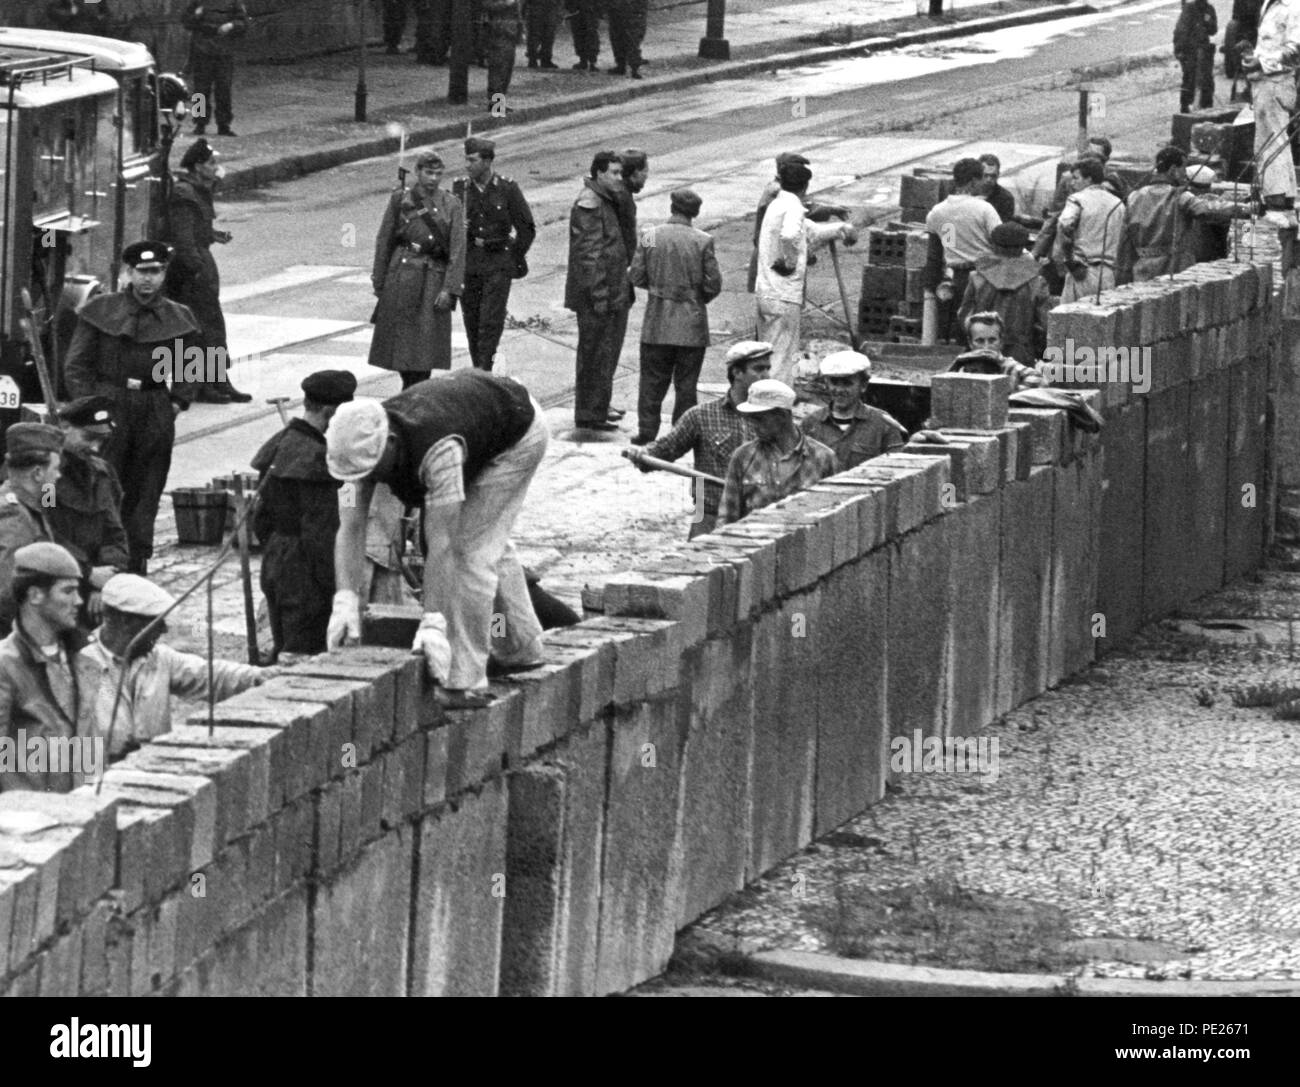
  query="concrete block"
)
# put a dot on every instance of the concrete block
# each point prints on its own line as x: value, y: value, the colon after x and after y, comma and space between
x: 261, y: 747
x: 1166, y: 560
x: 360, y: 920
x: 918, y: 638
x: 887, y: 497
x: 1075, y: 528
x: 783, y: 775
x: 684, y: 599
x: 294, y: 831
x: 60, y: 973
x: 851, y: 688
x: 350, y: 814
x: 86, y: 823
x: 413, y: 705
x: 796, y: 565
x: 550, y: 924
x: 229, y: 769
x: 714, y: 826
x: 392, y: 625
x: 460, y: 866
x: 1207, y: 428
x: 94, y: 949
x: 19, y: 892
x: 975, y: 463
x: 1024, y: 589
x: 549, y: 703
x: 331, y: 731
x: 193, y: 797
x: 476, y: 744
x: 1047, y: 435
x: 593, y: 659
x: 641, y: 868
x: 922, y: 485
x: 837, y: 524
x: 1246, y: 503
x: 267, y: 956
x: 646, y: 655
x: 974, y: 401
x: 372, y: 799
x: 381, y: 673
x: 1123, y: 515
x: 973, y: 628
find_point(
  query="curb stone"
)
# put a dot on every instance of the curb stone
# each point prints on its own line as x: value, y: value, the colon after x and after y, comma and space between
x: 864, y: 977
x: 257, y: 174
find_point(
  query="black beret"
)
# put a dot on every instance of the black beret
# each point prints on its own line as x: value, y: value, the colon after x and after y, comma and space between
x: 88, y: 411
x: 790, y: 157
x: 1009, y: 236
x: 33, y: 438
x: 147, y: 252
x: 330, y: 386
x: 477, y: 145
x: 199, y: 151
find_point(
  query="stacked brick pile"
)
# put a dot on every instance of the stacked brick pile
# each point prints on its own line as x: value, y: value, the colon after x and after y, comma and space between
x: 890, y: 303
x: 338, y: 835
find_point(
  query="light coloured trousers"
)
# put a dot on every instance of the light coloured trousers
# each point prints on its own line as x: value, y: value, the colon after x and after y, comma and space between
x: 1082, y: 290
x: 482, y: 591
x: 1274, y: 99
x: 778, y: 324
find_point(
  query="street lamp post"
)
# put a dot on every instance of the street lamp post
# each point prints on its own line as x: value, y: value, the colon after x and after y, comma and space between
x: 713, y: 46
x: 359, y: 105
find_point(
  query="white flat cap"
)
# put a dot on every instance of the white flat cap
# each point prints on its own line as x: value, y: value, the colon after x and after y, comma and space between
x: 136, y: 595
x: 845, y: 364
x: 355, y: 440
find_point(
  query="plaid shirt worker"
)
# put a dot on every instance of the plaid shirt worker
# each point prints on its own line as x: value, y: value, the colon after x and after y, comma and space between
x: 714, y: 431
x: 759, y: 474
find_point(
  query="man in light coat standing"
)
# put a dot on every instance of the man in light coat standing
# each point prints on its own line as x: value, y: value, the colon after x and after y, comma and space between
x: 783, y: 246
x: 1271, y: 69
x: 677, y: 266
x: 1088, y: 233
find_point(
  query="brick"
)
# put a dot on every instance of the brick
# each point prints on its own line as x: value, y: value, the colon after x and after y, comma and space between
x: 1013, y: 449
x: 229, y: 771
x: 974, y: 463
x: 685, y: 599
x: 755, y: 563
x: 460, y: 867
x: 263, y: 748
x: 646, y: 652
x: 360, y: 922
x: 790, y: 540
x: 91, y: 826
x: 360, y: 664
x: 1047, y: 436
x: 805, y: 547
x: 413, y: 704
x: 548, y: 706
x: 332, y: 730
x: 392, y: 625
x: 192, y: 795
x: 974, y: 401
x: 887, y: 494
x: 931, y: 478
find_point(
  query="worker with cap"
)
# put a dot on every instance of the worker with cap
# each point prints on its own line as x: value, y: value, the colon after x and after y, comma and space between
x: 192, y: 276
x: 45, y: 688
x: 852, y: 430
x: 297, y: 518
x: 462, y: 448
x: 985, y: 354
x: 1161, y: 214
x: 678, y: 267
x: 126, y: 346
x: 1208, y: 238
x: 418, y: 273
x: 154, y: 672
x: 499, y: 231
x: 86, y: 516
x: 1010, y: 282
x: 818, y: 212
x: 713, y: 431
x: 780, y: 461
x: 33, y: 455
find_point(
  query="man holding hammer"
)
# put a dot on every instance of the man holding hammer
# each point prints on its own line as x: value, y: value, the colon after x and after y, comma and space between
x: 462, y: 447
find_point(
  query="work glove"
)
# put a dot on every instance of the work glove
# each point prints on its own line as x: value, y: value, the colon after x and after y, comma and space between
x: 431, y: 643
x: 345, y: 619
x: 850, y: 234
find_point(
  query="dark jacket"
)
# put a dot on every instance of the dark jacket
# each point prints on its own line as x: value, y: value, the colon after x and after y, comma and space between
x: 598, y: 256
x: 1160, y: 217
x: 28, y: 705
x: 299, y: 497
x: 86, y: 516
x: 1197, y: 24
x: 1015, y: 289
x: 499, y: 227
x: 20, y: 525
x: 116, y: 338
x: 872, y: 433
x: 192, y: 276
x: 205, y: 28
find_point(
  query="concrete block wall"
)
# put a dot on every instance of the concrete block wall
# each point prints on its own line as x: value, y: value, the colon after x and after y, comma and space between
x: 334, y: 832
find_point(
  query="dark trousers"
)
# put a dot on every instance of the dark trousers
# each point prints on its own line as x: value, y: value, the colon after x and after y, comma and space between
x: 661, y: 365
x: 140, y: 451
x: 483, y: 305
x: 413, y: 377
x: 585, y: 24
x: 541, y: 19
x: 299, y: 587
x: 213, y: 77
x: 500, y: 49
x: 394, y: 22
x: 1198, y: 75
x: 599, y: 338
x: 949, y: 326
x: 627, y: 31
x: 432, y: 30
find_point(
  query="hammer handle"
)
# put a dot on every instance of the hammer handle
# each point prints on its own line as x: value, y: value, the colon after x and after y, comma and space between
x: 676, y: 469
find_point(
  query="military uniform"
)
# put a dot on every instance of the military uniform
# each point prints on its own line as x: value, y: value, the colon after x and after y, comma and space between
x: 492, y: 258
x: 432, y: 31
x: 297, y: 518
x: 502, y: 27
x: 541, y: 18
x: 112, y: 353
x: 626, y: 33
x: 212, y: 56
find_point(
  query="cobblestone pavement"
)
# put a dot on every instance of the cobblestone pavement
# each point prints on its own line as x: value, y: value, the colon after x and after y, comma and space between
x: 1136, y: 798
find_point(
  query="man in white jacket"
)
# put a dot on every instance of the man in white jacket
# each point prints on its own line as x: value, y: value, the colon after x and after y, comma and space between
x: 783, y: 246
x: 1271, y: 68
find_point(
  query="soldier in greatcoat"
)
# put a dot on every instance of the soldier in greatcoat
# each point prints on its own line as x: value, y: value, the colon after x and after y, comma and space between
x: 418, y: 274
x: 297, y: 518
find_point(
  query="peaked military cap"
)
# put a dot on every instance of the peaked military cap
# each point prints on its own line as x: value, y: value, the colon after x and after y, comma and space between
x: 88, y: 411
x: 330, y: 386
x: 46, y: 558
x: 146, y: 252
x: 33, y: 438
